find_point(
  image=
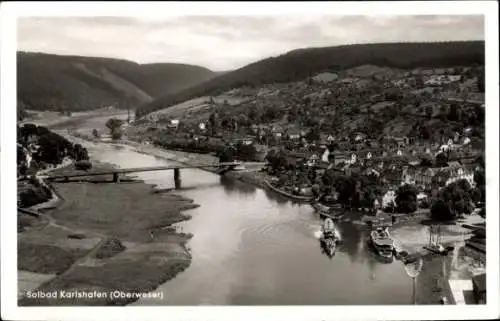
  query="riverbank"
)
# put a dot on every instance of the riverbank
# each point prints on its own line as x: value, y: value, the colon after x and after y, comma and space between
x: 101, y: 238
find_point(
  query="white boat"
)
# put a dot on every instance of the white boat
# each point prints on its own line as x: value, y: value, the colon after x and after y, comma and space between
x: 330, y: 237
x: 382, y: 242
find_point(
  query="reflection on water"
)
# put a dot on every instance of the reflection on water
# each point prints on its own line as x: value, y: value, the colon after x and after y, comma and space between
x: 231, y: 187
x: 254, y: 247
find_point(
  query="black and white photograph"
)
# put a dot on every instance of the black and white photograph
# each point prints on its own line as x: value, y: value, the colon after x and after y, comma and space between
x: 252, y: 158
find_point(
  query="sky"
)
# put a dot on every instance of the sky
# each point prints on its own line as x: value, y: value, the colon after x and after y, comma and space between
x: 224, y: 43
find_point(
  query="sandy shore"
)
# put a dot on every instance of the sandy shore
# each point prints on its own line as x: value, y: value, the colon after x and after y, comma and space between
x: 101, y: 238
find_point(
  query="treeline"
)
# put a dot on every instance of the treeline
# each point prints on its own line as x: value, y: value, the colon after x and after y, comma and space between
x: 299, y: 64
x: 53, y: 82
x: 224, y: 152
x: 45, y: 147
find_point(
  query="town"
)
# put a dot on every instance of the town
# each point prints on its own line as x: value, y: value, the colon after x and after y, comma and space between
x: 377, y: 128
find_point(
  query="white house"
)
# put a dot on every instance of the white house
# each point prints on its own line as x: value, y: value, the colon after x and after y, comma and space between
x: 466, y: 140
x: 354, y: 158
x: 324, y: 157
x: 174, y: 123
x: 461, y: 173
x: 399, y: 152
x: 443, y: 148
x: 388, y: 198
x: 202, y: 126
x: 369, y: 155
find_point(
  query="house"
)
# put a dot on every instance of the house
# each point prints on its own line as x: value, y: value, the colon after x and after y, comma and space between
x: 174, y: 123
x: 458, y: 172
x: 247, y: 141
x: 444, y: 148
x: 277, y: 131
x: 402, y: 141
x: 440, y: 178
x: 339, y: 158
x: 354, y: 158
x: 202, y: 126
x: 359, y: 137
x: 313, y: 160
x: 399, y: 152
x: 325, y: 156
x: 389, y: 198
x: 393, y: 175
x: 421, y: 197
x: 294, y: 135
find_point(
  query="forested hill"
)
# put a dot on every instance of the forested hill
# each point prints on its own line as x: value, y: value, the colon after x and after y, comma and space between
x: 53, y: 82
x: 302, y: 63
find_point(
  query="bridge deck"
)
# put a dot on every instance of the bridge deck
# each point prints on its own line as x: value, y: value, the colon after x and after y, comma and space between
x: 142, y: 169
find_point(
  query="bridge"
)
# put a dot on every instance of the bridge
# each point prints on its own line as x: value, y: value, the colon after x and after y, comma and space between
x: 116, y: 172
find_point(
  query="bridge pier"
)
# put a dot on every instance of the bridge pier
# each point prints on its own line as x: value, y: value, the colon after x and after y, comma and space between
x: 177, y: 177
x: 116, y: 178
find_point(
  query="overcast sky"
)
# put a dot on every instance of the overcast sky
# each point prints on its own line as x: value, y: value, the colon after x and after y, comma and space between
x: 229, y: 42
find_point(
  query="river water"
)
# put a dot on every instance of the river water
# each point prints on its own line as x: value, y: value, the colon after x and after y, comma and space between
x: 251, y: 247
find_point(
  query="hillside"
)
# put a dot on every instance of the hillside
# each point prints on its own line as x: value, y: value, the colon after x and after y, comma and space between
x: 303, y: 63
x: 53, y: 82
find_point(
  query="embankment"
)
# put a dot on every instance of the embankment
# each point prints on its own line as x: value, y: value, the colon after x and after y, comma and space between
x: 103, y: 237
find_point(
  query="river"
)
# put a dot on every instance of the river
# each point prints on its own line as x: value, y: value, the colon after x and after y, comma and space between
x: 252, y: 247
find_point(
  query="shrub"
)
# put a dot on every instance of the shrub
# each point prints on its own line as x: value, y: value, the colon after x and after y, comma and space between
x: 440, y: 211
x: 83, y: 165
x: 406, y: 198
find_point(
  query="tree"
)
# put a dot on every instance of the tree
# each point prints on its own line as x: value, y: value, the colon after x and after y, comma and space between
x: 346, y: 189
x: 213, y: 121
x: 406, y: 198
x: 227, y: 155
x: 277, y: 160
x: 455, y: 113
x: 426, y: 162
x: 314, y: 134
x: 95, y: 133
x: 480, y: 180
x: 440, y: 211
x: 429, y: 111
x: 114, y: 125
x: 83, y: 165
x: 458, y: 197
x: 80, y: 153
x: 441, y: 160
x: 246, y: 152
x: 480, y: 82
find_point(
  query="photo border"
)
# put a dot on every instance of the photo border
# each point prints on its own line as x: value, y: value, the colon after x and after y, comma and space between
x: 11, y: 11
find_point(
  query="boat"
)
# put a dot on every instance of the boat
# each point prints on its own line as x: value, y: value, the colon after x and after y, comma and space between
x: 329, y: 247
x: 382, y: 242
x: 292, y: 196
x: 330, y: 237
